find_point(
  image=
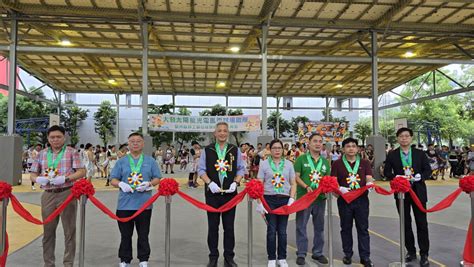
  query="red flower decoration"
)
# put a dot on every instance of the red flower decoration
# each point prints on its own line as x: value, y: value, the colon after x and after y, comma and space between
x: 168, y: 187
x: 82, y: 187
x: 328, y: 184
x: 400, y: 184
x: 5, y: 190
x: 254, y: 188
x: 467, y: 184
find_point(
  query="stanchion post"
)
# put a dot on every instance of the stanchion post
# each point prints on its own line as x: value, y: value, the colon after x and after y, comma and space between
x: 472, y: 223
x: 250, y: 232
x: 168, y: 232
x: 401, y: 215
x: 4, y: 224
x: 330, y: 250
x: 82, y: 229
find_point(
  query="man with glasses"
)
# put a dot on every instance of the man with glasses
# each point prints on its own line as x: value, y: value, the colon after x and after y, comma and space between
x: 135, y: 174
x: 414, y: 165
x: 55, y: 169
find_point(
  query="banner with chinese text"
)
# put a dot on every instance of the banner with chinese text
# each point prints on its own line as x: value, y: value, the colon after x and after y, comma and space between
x: 179, y: 123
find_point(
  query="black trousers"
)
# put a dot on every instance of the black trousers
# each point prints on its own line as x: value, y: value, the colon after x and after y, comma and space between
x: 213, y: 222
x: 357, y: 211
x: 142, y: 224
x: 421, y: 227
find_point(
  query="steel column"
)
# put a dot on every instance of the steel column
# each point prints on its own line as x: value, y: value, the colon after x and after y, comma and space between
x: 327, y: 109
x: 82, y: 229
x: 278, y: 117
x: 168, y: 232
x: 174, y: 111
x: 12, y: 75
x: 59, y: 105
x: 144, y: 26
x: 264, y: 78
x: 375, y: 85
x: 250, y: 232
x: 3, y: 234
x: 117, y: 125
x: 330, y: 239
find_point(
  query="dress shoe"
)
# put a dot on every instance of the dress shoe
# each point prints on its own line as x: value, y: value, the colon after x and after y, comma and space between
x: 347, y: 260
x: 410, y: 257
x: 366, y: 263
x: 320, y: 259
x: 424, y: 261
x: 212, y: 263
x: 230, y: 263
x: 300, y: 261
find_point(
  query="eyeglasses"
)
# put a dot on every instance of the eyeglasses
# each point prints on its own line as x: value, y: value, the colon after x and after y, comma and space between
x: 276, y: 148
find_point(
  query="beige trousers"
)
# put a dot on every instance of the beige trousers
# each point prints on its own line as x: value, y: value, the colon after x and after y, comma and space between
x: 49, y: 203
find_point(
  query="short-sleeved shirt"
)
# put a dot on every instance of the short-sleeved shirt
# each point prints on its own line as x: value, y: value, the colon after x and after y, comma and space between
x: 265, y: 173
x: 70, y: 162
x: 339, y: 170
x: 303, y: 167
x: 122, y: 170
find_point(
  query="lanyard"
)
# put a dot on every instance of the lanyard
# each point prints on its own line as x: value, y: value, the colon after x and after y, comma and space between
x: 51, y: 164
x: 135, y: 168
x: 348, y: 166
x: 278, y: 179
x: 406, y: 163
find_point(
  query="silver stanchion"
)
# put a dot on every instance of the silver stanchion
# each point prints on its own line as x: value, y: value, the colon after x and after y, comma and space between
x: 168, y: 232
x: 250, y: 231
x: 471, y: 264
x: 401, y: 211
x: 330, y: 250
x: 4, y: 224
x: 82, y: 229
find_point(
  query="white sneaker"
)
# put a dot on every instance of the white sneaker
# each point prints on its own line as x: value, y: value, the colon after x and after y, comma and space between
x: 282, y: 263
x: 123, y: 264
x: 272, y: 263
x: 143, y: 264
x: 33, y: 188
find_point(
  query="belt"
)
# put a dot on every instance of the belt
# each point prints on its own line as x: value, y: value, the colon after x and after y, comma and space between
x: 58, y: 190
x: 279, y: 195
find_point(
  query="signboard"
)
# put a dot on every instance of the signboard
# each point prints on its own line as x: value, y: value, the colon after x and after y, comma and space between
x: 330, y: 131
x: 179, y: 123
x: 53, y: 119
x: 400, y: 123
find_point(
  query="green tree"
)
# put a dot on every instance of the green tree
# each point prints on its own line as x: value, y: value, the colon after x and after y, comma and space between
x: 105, y: 120
x: 332, y: 118
x: 27, y: 108
x: 294, y: 123
x: 186, y: 137
x: 72, y: 117
x: 363, y: 128
x: 238, y: 136
x: 217, y: 110
x: 160, y: 137
x: 284, y: 125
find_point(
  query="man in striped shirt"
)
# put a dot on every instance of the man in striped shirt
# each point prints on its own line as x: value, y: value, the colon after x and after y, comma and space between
x: 55, y: 169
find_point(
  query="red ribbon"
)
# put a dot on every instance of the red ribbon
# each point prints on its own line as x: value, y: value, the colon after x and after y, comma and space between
x: 3, y: 258
x: 468, y: 255
x: 226, y: 207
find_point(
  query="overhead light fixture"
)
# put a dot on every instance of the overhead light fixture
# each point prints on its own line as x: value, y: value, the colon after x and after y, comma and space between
x: 234, y: 49
x: 338, y: 85
x: 409, y: 54
x: 112, y: 81
x: 220, y: 84
x: 65, y: 42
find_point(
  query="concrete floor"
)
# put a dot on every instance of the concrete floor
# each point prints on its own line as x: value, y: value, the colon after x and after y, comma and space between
x: 189, y: 231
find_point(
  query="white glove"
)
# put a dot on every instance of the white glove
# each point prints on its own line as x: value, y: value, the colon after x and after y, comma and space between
x: 145, y: 186
x: 290, y: 201
x: 369, y: 184
x: 214, y: 188
x: 417, y: 177
x: 344, y: 189
x: 232, y: 188
x: 42, y: 180
x: 58, y: 180
x: 126, y: 188
x: 261, y: 209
